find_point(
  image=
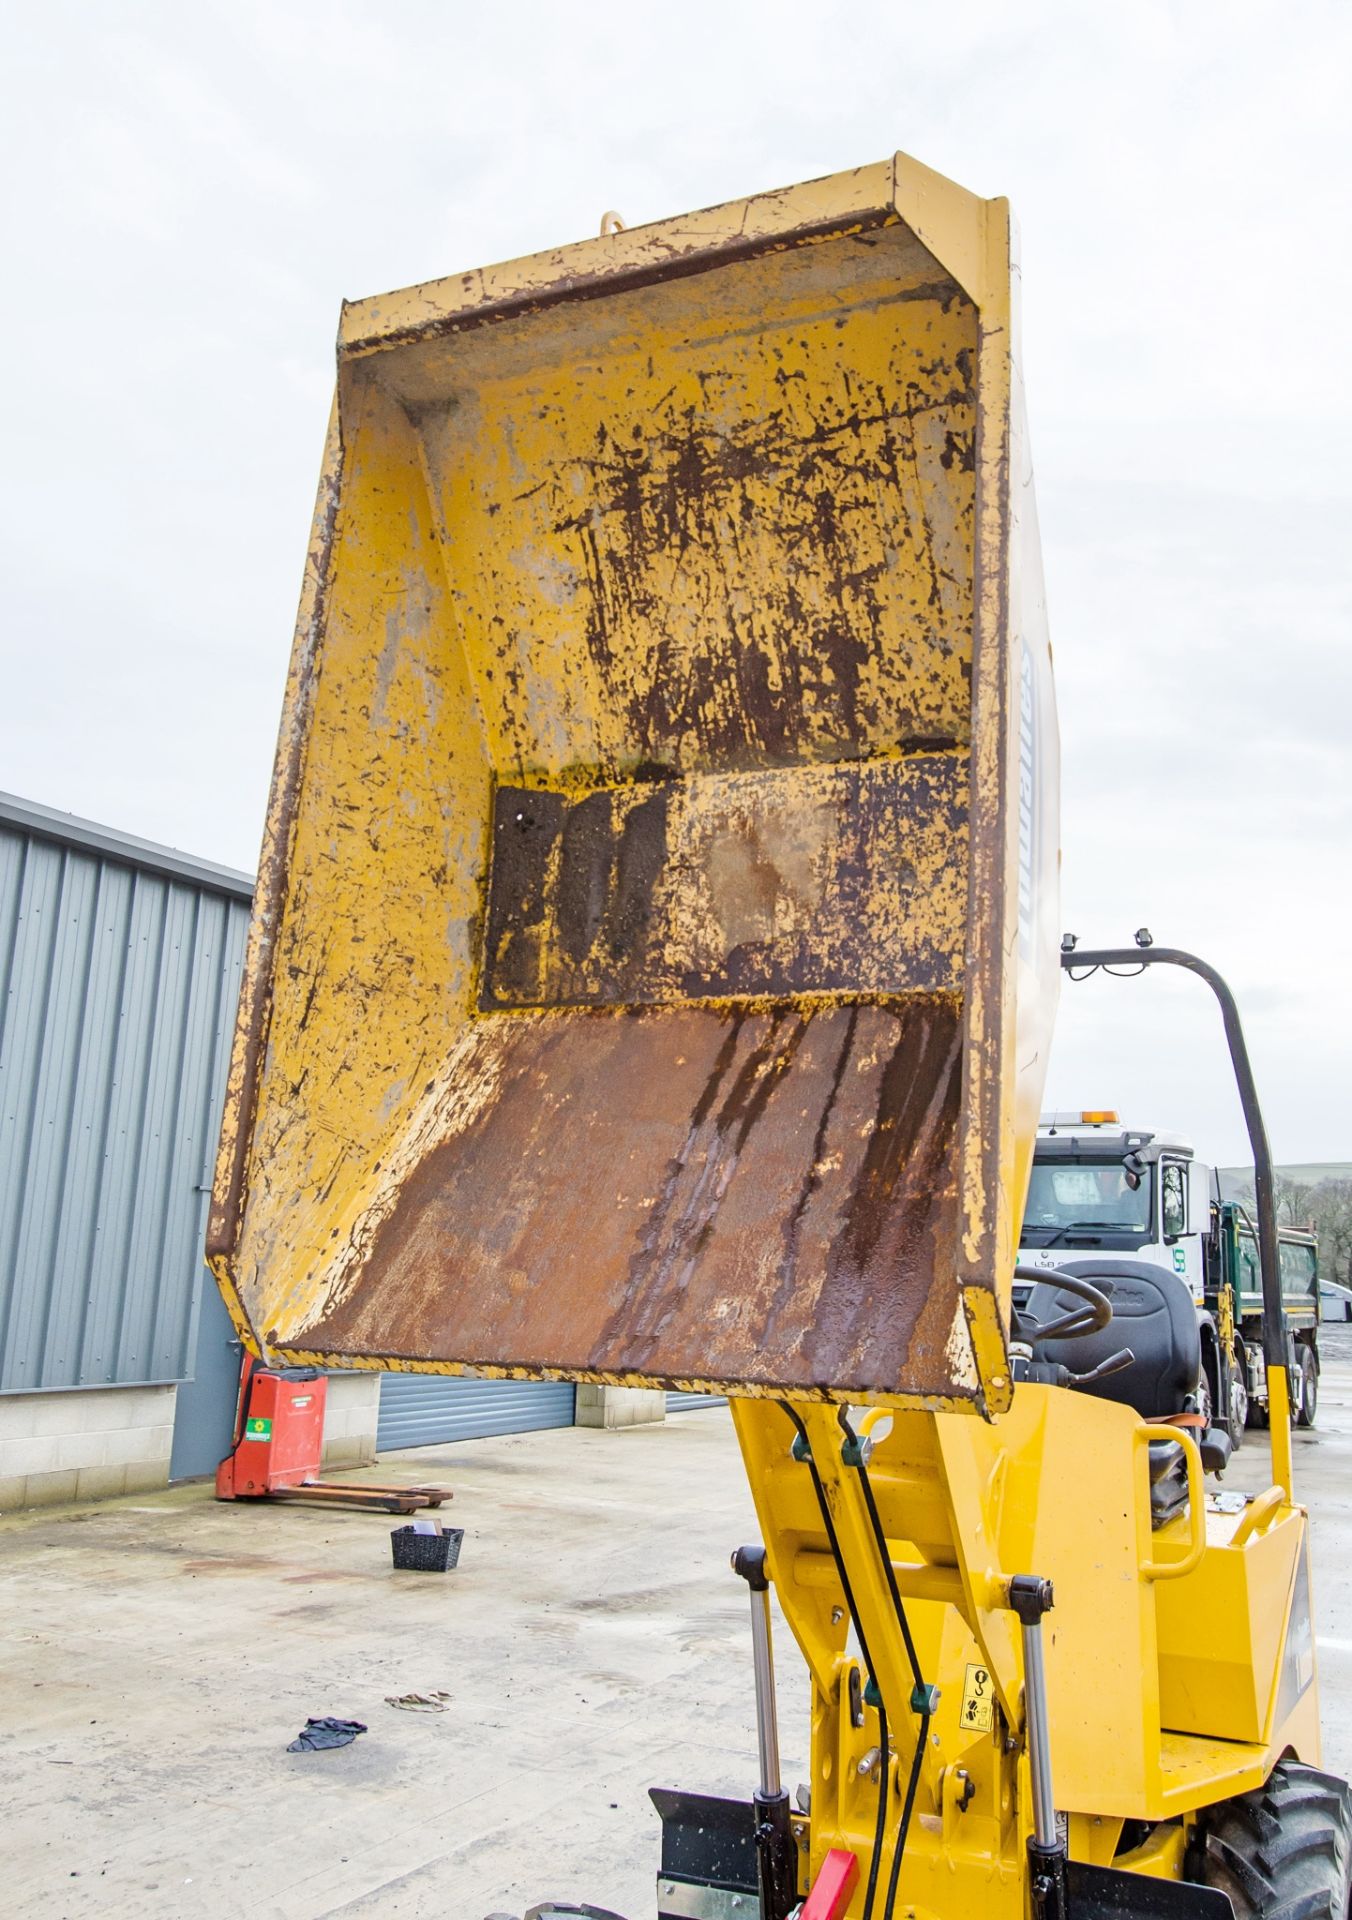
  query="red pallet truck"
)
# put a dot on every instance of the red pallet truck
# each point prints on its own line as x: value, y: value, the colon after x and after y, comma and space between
x: 279, y: 1440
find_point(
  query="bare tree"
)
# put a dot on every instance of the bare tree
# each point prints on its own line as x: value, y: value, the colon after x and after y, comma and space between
x: 1330, y: 1207
x: 1293, y: 1202
x: 1323, y: 1208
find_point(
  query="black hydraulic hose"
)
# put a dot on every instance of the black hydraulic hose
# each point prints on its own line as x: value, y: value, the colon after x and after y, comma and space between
x: 908, y: 1806
x: 880, y: 1823
x: 854, y: 1454
x: 856, y: 1460
x: 880, y: 1829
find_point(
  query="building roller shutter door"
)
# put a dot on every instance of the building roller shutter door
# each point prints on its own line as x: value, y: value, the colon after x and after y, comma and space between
x: 693, y: 1402
x: 425, y: 1410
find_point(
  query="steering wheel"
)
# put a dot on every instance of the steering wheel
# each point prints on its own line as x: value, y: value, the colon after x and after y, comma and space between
x: 1092, y: 1317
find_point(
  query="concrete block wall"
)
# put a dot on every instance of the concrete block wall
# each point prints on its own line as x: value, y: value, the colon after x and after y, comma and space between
x: 350, y: 1420
x: 619, y: 1406
x: 87, y: 1444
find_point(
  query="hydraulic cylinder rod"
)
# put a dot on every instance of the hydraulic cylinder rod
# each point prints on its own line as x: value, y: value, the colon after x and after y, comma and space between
x: 776, y: 1848
x: 1039, y: 1736
x: 1031, y: 1598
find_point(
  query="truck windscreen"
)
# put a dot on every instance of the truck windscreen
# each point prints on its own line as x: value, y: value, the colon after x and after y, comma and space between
x: 1088, y: 1195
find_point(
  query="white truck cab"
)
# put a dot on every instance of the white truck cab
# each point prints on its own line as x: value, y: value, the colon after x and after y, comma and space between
x: 1099, y: 1187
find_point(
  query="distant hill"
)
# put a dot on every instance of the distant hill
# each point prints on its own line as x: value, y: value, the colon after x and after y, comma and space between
x: 1239, y: 1180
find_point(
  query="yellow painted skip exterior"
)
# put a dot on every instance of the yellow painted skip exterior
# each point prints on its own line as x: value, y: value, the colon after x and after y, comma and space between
x: 704, y: 519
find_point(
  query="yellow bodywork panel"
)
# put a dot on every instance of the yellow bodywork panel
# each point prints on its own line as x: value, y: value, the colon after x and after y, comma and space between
x: 1059, y: 1485
x: 1224, y: 1633
x: 654, y: 950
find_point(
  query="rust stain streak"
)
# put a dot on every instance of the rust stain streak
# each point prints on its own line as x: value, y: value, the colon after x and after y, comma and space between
x: 672, y: 1265
x: 672, y: 1240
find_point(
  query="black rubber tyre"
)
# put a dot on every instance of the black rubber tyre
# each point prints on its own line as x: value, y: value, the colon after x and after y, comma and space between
x: 1283, y: 1852
x: 1307, y: 1399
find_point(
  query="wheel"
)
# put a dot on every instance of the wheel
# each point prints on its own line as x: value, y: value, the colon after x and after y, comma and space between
x: 1283, y: 1852
x: 1238, y: 1403
x: 1307, y: 1394
x: 1257, y: 1415
x: 1205, y: 1401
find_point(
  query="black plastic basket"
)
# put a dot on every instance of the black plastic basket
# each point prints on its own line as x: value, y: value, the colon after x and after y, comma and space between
x: 425, y: 1552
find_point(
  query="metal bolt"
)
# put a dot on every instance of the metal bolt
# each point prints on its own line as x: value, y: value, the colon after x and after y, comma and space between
x: 837, y: 1615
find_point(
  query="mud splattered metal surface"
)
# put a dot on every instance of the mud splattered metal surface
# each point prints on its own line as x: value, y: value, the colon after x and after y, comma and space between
x: 766, y: 884
x: 635, y: 988
x: 747, y: 1196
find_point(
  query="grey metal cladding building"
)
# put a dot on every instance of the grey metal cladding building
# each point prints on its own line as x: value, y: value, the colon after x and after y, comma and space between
x: 118, y: 985
x: 120, y: 964
x: 119, y: 973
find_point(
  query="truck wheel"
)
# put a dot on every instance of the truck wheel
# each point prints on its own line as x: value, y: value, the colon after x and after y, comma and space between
x: 1307, y: 1398
x: 1257, y: 1415
x: 1284, y: 1850
x: 1237, y: 1399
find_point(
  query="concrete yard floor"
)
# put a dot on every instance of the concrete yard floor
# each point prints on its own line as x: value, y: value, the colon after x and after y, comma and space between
x: 160, y: 1652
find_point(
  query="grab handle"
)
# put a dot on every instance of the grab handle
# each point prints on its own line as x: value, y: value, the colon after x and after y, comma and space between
x: 1259, y: 1515
x: 1175, y: 1569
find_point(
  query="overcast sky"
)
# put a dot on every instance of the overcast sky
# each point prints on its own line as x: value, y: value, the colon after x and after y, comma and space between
x: 190, y: 190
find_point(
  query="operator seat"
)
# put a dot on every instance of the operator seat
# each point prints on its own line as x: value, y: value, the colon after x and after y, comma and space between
x: 1153, y: 1314
x: 1155, y: 1317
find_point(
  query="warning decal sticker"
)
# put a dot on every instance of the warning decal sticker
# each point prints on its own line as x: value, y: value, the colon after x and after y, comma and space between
x: 978, y: 1701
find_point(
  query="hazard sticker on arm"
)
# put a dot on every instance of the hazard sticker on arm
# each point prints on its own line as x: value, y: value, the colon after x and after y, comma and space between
x: 978, y: 1701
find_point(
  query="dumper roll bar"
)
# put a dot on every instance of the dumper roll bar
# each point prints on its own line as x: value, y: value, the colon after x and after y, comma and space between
x: 1079, y: 963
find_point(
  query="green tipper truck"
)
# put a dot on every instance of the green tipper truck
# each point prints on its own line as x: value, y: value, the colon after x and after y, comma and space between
x: 1234, y: 1302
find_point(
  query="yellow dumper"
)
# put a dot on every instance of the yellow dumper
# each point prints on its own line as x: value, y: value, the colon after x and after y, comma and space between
x: 651, y: 980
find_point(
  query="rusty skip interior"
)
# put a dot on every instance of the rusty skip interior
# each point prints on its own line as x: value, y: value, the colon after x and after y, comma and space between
x: 617, y: 1010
